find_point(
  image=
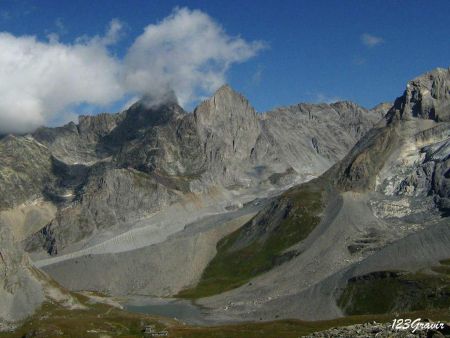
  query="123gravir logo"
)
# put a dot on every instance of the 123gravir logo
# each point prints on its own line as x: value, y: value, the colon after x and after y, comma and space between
x: 415, y: 325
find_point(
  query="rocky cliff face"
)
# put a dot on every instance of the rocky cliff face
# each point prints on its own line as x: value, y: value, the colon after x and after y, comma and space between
x: 314, y: 137
x: 24, y: 288
x: 425, y: 97
x: 79, y: 143
x: 227, y: 122
x: 228, y: 129
x: 407, y: 154
x: 21, y: 292
x: 25, y: 170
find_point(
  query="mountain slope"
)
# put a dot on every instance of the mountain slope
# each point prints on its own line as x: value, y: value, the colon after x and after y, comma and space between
x: 386, y: 210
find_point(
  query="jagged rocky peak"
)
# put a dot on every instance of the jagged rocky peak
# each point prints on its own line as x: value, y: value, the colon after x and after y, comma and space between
x: 142, y: 116
x: 226, y: 105
x: 383, y: 106
x: 227, y: 118
x: 146, y: 113
x: 100, y: 124
x: 345, y: 105
x: 391, y: 145
x: 426, y: 97
x: 347, y: 109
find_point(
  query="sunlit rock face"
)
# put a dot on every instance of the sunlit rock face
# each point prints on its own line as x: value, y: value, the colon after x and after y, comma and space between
x: 426, y: 97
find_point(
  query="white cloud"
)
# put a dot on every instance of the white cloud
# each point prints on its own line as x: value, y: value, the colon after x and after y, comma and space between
x: 187, y: 52
x: 40, y: 80
x: 114, y: 32
x: 371, y: 40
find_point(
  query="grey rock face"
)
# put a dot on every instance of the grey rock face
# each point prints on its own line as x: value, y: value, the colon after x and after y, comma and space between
x: 311, y: 138
x: 228, y: 122
x: 426, y: 97
x: 416, y: 120
x: 158, y: 139
x: 20, y: 290
x: 381, y: 109
x: 109, y: 197
x: 79, y: 143
x: 431, y: 176
x: 25, y: 170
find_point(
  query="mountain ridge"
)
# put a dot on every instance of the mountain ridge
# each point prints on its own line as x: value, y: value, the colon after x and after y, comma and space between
x: 224, y: 142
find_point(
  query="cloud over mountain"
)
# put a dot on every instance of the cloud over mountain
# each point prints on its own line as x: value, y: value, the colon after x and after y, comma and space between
x: 41, y: 79
x: 187, y: 52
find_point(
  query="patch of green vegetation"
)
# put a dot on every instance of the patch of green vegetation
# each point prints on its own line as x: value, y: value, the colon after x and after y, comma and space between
x: 261, y: 243
x: 388, y: 292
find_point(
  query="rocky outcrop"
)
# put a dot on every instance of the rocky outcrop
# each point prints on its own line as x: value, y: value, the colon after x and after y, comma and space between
x: 228, y: 128
x: 425, y: 97
x: 160, y: 139
x: 311, y: 138
x: 227, y: 122
x: 23, y: 288
x: 358, y: 170
x: 426, y: 329
x: 109, y: 199
x: 79, y: 143
x: 25, y: 170
x: 410, y: 156
x: 21, y: 292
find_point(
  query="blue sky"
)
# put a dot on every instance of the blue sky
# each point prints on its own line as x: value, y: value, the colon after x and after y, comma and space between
x: 297, y: 51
